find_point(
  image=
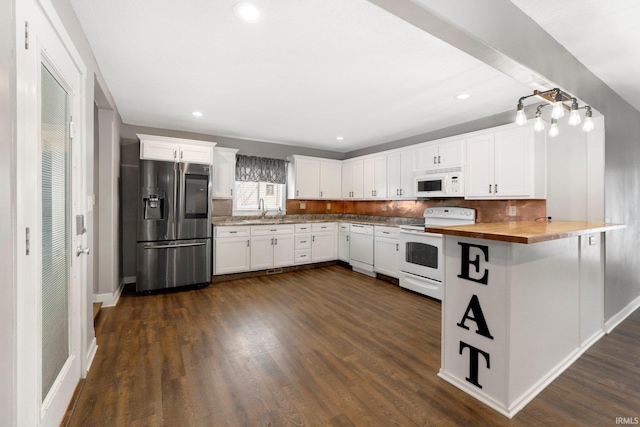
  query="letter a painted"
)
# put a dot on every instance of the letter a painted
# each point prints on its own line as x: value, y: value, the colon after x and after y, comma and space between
x: 478, y: 317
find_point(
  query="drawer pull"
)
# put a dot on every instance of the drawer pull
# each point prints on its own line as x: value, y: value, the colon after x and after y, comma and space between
x: 232, y: 232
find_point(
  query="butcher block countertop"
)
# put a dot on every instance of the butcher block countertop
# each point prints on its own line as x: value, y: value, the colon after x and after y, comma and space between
x: 526, y: 232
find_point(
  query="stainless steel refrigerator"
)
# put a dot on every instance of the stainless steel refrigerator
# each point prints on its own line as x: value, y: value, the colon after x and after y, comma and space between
x: 174, y: 225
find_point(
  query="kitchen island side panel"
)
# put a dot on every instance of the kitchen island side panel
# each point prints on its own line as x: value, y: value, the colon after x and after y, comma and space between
x: 511, y: 317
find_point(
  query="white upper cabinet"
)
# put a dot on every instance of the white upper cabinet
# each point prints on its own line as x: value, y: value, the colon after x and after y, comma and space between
x: 313, y: 178
x: 154, y: 147
x: 440, y: 155
x: 330, y: 179
x: 400, y: 174
x: 353, y: 179
x: 507, y: 164
x: 224, y: 171
x: 375, y: 177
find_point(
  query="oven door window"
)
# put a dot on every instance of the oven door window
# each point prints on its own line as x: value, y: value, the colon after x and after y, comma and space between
x: 430, y: 185
x: 422, y: 254
x: 196, y: 200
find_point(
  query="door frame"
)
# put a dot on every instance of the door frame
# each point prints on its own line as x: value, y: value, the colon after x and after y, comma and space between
x: 48, y: 43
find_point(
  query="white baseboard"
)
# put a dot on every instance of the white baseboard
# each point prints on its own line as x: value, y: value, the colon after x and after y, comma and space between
x: 109, y: 300
x: 616, y: 319
x: 91, y: 354
x: 519, y: 403
x: 129, y: 280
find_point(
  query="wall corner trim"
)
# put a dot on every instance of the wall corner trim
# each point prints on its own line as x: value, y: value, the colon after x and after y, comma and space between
x: 110, y: 300
x: 619, y: 317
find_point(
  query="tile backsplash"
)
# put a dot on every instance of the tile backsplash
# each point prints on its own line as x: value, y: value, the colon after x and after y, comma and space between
x: 486, y: 210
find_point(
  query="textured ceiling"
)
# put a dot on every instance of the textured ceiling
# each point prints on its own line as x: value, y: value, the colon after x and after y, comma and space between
x: 309, y: 71
x: 603, y: 35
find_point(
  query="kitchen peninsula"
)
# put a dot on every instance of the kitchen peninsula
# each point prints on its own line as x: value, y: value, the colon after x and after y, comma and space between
x: 523, y: 300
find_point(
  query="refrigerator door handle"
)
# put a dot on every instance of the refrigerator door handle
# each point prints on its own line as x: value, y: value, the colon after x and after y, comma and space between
x: 183, y: 245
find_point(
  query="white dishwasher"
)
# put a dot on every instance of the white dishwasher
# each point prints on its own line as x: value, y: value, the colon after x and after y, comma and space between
x: 361, y: 249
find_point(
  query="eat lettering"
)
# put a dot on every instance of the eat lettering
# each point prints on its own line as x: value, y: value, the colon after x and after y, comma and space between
x: 474, y: 310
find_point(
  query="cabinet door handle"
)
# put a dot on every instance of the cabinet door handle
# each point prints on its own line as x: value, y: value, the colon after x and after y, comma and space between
x: 489, y: 188
x: 297, y: 193
x: 175, y: 154
x: 276, y: 241
x: 434, y: 160
x: 231, y: 191
x: 397, y: 247
x: 272, y: 241
x: 347, y: 237
x: 397, y: 192
x: 320, y: 193
x: 248, y: 243
x: 401, y: 191
x: 496, y: 189
x: 181, y: 153
x: 313, y: 238
x: 438, y: 159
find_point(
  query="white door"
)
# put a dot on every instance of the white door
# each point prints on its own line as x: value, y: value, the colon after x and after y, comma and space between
x: 51, y: 194
x: 283, y: 250
x: 330, y: 180
x: 262, y: 252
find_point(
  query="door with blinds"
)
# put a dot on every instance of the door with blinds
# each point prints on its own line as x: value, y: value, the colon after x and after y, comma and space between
x: 50, y: 182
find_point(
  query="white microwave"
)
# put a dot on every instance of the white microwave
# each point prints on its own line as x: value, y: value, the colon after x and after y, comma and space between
x: 439, y: 184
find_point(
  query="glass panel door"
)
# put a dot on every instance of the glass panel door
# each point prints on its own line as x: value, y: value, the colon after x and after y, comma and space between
x: 196, y: 198
x: 56, y: 196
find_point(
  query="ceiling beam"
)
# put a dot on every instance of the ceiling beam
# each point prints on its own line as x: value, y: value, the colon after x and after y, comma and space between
x: 479, y: 29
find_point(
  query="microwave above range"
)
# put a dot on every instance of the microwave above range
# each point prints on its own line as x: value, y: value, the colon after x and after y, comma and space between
x: 440, y: 183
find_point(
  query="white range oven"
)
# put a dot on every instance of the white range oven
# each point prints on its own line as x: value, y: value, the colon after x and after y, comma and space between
x: 421, y: 257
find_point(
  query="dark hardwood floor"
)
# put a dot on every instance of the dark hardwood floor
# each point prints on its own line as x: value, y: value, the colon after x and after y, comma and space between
x: 324, y: 347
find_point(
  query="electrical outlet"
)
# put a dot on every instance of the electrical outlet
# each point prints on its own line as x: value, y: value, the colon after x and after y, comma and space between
x: 303, y: 205
x: 384, y: 208
x: 512, y: 211
x: 328, y: 206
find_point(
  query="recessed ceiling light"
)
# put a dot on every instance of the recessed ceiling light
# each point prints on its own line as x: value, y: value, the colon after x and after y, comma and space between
x: 463, y: 96
x: 197, y: 113
x: 339, y: 138
x: 247, y: 12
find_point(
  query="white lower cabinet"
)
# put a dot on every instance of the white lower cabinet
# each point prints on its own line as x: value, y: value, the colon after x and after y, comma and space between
x: 387, y: 251
x: 343, y: 241
x: 231, y: 250
x: 272, y: 246
x: 323, y: 242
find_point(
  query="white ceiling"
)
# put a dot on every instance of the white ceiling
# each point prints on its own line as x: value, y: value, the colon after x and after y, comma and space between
x: 309, y: 71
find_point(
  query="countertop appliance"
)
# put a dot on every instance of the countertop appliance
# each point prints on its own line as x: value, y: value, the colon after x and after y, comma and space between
x: 421, y: 258
x: 361, y: 248
x: 440, y: 183
x: 174, y: 225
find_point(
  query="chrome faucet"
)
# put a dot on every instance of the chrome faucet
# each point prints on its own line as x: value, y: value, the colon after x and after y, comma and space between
x: 263, y: 211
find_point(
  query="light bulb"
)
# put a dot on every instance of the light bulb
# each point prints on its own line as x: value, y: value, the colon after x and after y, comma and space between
x: 558, y: 110
x: 574, y: 118
x: 588, y: 124
x: 553, y: 130
x: 521, y: 119
x: 538, y: 125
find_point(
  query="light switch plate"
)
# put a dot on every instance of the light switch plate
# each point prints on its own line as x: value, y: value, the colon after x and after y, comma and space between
x: 512, y: 211
x: 303, y: 205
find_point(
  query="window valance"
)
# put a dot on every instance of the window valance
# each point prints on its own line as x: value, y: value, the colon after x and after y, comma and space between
x: 261, y: 169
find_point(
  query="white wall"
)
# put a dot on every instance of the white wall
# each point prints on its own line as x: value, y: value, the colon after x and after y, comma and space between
x: 575, y: 174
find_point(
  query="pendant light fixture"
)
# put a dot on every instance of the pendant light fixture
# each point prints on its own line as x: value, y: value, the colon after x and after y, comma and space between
x: 558, y: 99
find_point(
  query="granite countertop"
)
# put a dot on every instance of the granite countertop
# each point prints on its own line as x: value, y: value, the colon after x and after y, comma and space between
x: 299, y: 219
x: 525, y: 231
